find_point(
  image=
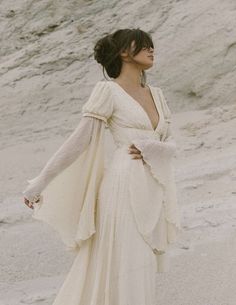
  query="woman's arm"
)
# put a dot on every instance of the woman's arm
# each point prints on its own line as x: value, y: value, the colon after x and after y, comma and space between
x: 64, y: 156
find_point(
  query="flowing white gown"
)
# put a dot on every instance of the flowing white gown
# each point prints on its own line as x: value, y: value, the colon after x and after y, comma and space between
x: 120, y: 219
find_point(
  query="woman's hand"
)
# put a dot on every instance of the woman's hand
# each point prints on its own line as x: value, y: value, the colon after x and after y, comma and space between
x: 136, y: 153
x: 30, y: 204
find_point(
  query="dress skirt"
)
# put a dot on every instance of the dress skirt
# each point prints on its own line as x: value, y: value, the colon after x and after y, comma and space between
x: 115, y: 266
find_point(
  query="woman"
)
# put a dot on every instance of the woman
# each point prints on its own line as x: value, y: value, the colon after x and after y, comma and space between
x: 120, y: 219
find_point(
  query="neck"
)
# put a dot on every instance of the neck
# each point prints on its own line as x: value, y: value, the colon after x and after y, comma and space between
x: 130, y: 75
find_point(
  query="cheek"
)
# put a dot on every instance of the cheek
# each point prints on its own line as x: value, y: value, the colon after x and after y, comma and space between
x: 140, y: 56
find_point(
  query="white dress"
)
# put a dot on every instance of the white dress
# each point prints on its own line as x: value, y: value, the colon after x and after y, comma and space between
x: 120, y: 219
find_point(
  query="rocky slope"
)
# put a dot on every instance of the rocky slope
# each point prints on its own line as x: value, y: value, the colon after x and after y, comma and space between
x: 47, y: 65
x: 47, y: 72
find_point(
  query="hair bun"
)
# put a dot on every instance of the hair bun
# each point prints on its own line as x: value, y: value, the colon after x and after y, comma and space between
x: 105, y: 50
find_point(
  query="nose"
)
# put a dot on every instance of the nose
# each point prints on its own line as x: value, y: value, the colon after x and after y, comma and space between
x: 151, y: 50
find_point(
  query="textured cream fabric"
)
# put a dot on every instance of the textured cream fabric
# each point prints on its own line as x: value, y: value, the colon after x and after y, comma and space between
x: 76, y: 143
x: 72, y: 178
x: 118, y: 220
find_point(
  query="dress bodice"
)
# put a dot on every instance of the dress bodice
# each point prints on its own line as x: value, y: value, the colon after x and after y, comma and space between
x: 129, y: 120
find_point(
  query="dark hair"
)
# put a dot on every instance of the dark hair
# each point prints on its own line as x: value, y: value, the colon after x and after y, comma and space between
x: 108, y: 48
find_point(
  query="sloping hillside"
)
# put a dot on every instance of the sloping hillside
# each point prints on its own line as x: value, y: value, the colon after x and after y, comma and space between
x: 47, y: 66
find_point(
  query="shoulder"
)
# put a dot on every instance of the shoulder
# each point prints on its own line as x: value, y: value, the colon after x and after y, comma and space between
x: 158, y: 89
x: 102, y: 84
x: 99, y: 101
x: 155, y: 88
x: 101, y: 88
x: 164, y: 103
x: 159, y: 92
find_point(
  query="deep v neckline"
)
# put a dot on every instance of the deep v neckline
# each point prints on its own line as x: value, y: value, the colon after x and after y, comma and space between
x: 141, y: 107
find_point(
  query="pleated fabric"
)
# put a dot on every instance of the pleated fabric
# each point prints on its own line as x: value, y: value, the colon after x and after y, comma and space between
x: 119, y: 220
x: 115, y: 266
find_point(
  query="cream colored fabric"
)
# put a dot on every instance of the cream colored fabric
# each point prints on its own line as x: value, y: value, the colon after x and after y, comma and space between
x: 162, y: 170
x: 118, y: 220
x: 72, y: 178
x: 76, y: 143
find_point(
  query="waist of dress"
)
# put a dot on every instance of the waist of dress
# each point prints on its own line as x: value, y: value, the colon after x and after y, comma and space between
x: 125, y: 143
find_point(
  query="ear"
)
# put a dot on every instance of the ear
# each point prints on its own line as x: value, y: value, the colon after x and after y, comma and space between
x: 124, y: 53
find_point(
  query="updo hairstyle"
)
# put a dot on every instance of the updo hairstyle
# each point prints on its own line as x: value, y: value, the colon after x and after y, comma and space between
x: 108, y: 48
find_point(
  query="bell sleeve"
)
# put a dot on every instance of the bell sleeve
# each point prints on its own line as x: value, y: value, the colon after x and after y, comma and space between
x: 158, y: 155
x: 76, y: 143
x: 69, y: 183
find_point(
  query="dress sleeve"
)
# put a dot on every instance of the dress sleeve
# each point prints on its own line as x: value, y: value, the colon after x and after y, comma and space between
x: 98, y: 106
x: 74, y: 145
x: 100, y: 102
x: 69, y: 184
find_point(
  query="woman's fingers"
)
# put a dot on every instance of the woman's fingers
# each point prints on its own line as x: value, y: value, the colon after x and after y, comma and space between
x: 136, y: 156
x: 28, y: 203
x: 133, y: 146
x: 133, y: 149
x: 136, y: 153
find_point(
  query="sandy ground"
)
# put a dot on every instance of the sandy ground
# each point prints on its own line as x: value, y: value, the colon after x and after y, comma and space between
x: 33, y: 260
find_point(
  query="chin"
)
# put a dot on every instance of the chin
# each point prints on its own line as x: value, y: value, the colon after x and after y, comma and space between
x: 147, y: 66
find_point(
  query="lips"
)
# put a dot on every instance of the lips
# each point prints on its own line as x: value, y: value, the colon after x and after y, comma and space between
x: 152, y: 57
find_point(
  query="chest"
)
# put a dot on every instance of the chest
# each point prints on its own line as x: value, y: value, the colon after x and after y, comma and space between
x: 145, y: 99
x: 139, y: 104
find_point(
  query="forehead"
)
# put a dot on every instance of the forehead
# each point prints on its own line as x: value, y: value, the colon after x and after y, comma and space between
x: 145, y: 42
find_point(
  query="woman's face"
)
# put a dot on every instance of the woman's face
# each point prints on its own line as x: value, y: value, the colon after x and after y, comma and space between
x: 144, y: 58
